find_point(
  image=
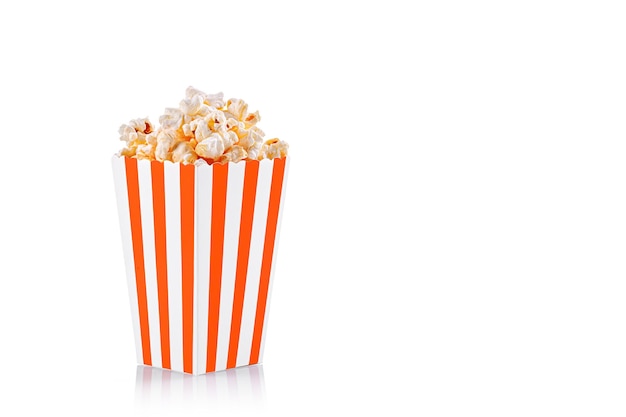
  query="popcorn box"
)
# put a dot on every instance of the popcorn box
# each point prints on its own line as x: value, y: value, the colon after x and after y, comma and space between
x: 199, y: 244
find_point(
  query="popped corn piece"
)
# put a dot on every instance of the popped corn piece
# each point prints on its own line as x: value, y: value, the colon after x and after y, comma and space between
x: 141, y: 125
x: 192, y: 105
x: 253, y: 135
x: 238, y: 108
x: 191, y: 91
x: 255, y: 151
x: 129, y: 152
x: 259, y: 134
x: 145, y: 152
x: 187, y: 129
x: 135, y: 130
x: 151, y: 138
x: 187, y: 118
x: 172, y: 119
x: 201, y: 129
x: 127, y: 134
x: 216, y: 121
x: 162, y: 153
x: 167, y: 136
x: 246, y: 141
x: 205, y: 109
x: 252, y: 118
x: 235, y: 154
x: 230, y: 138
x: 274, y: 148
x: 166, y: 139
x: 215, y: 100
x: 234, y: 124
x: 183, y: 153
x: 211, y: 147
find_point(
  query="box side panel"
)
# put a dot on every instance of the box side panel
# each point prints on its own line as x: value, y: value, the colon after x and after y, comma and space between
x: 276, y: 205
x: 121, y: 192
x: 255, y: 258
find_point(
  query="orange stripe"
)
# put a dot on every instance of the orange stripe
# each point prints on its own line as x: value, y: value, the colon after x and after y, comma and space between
x: 160, y: 248
x: 268, y: 251
x: 245, y: 234
x: 187, y: 190
x: 132, y: 182
x: 218, y: 215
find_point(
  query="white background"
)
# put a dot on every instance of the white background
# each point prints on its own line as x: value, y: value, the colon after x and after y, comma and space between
x: 454, y: 236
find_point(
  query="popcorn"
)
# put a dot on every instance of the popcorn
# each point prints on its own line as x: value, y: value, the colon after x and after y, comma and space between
x: 187, y: 130
x: 274, y: 148
x: 191, y: 106
x: 212, y: 147
x: 230, y: 138
x: 216, y: 120
x: 236, y: 154
x: 203, y: 129
x: 183, y: 153
x: 135, y: 134
x: 215, y: 100
x: 252, y: 136
x: 141, y: 125
x: 151, y: 139
x: 255, y: 151
x: 234, y: 124
x: 145, y: 152
x: 129, y: 152
x: 135, y: 130
x: 237, y: 108
x: 172, y: 119
x: 166, y: 139
x: 252, y: 119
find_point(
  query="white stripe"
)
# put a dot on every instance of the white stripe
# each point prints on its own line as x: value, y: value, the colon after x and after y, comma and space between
x: 234, y: 196
x: 121, y: 190
x: 194, y: 311
x: 254, y: 262
x: 204, y: 187
x: 281, y: 208
x: 174, y: 271
x: 149, y: 258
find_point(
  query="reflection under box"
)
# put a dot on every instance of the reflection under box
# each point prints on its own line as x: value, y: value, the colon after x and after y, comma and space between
x: 157, y: 388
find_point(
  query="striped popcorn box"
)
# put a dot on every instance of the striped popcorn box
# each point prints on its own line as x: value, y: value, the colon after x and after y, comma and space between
x: 199, y: 244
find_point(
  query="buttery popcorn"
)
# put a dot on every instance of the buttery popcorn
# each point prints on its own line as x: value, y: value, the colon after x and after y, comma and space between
x: 203, y: 129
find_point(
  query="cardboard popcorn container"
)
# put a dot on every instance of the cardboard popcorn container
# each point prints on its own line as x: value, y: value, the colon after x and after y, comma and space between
x: 199, y: 245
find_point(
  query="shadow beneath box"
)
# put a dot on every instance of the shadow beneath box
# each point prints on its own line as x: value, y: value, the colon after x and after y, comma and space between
x: 161, y: 389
